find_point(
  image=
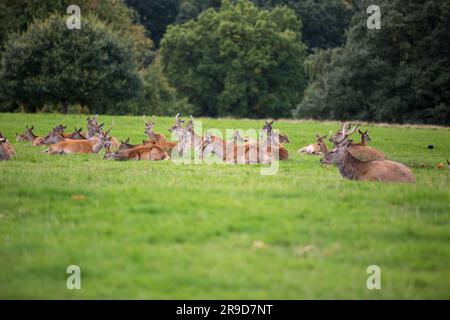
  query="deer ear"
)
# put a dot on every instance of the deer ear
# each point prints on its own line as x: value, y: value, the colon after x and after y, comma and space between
x: 317, y: 136
x: 272, y: 121
x: 366, y: 131
x: 360, y: 132
x: 324, y: 137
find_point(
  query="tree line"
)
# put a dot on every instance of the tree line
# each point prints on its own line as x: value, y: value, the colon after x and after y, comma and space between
x: 242, y: 58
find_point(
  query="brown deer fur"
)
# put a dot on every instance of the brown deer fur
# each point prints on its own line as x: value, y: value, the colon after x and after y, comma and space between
x: 376, y: 170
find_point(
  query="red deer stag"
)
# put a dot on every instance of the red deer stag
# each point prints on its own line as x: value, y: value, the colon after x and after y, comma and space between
x: 363, y: 153
x: 149, y: 131
x: 276, y: 140
x: 29, y: 135
x: 376, y: 170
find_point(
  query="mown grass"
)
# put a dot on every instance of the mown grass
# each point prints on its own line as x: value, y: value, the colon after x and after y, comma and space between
x: 159, y: 230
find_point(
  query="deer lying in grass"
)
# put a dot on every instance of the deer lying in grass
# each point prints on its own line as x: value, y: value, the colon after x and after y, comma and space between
x: 276, y: 140
x: 124, y: 145
x: 361, y: 152
x: 376, y: 170
x: 29, y: 135
x: 5, y: 153
x: 55, y: 136
x: 230, y: 152
x: 152, y: 153
x: 88, y: 146
x: 149, y: 131
x: 96, y: 131
x: 8, y: 146
x: 318, y: 148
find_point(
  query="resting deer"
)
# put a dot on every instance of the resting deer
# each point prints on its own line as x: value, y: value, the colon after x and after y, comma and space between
x: 376, y: 170
x: 59, y: 129
x: 152, y: 153
x: 97, y: 132
x: 8, y: 146
x: 276, y: 140
x: 4, y: 151
x: 318, y: 148
x: 195, y: 140
x: 92, y: 126
x: 53, y: 137
x: 149, y: 131
x: 88, y: 146
x: 29, y: 135
x: 361, y: 152
x: 229, y: 152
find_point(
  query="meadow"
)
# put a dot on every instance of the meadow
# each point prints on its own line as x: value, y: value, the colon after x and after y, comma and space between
x: 156, y: 230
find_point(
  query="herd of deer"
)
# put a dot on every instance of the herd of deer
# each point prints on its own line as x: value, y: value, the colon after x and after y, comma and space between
x: 355, y: 161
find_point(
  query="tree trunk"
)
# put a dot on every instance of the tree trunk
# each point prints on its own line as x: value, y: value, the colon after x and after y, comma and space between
x: 65, y: 109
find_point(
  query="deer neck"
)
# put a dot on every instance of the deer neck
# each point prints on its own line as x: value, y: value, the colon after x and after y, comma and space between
x: 323, y: 148
x: 363, y: 141
x: 350, y: 167
x: 31, y: 136
x: 219, y: 147
x: 96, y: 145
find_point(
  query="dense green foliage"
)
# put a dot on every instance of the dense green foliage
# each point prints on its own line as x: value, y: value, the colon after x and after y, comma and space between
x: 50, y: 63
x: 239, y: 61
x: 155, y: 15
x: 400, y: 73
x: 148, y: 230
x: 324, y: 21
x: 17, y: 15
x: 236, y: 59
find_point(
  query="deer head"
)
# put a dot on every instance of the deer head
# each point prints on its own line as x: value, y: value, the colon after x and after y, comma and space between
x: 364, y: 136
x: 92, y: 126
x: 177, y: 128
x: 59, y: 128
x: 124, y: 145
x: 345, y: 132
x: 77, y: 134
x: 237, y: 137
x: 321, y: 143
x: 336, y: 155
x: 28, y: 135
x: 53, y: 137
x: 268, y: 127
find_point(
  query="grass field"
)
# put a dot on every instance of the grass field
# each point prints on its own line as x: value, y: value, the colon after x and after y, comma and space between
x: 159, y: 230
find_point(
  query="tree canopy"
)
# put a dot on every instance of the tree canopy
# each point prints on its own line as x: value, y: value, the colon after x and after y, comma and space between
x: 400, y: 73
x: 50, y: 63
x: 240, y: 61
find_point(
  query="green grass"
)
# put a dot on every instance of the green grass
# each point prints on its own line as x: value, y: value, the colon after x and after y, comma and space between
x: 159, y: 230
